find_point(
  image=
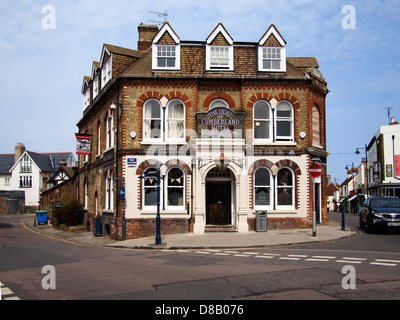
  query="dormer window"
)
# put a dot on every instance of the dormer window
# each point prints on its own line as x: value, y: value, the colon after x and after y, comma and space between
x: 219, y: 50
x: 271, y: 58
x: 272, y: 52
x: 86, y: 98
x: 166, y: 56
x: 166, y: 50
x: 106, y: 72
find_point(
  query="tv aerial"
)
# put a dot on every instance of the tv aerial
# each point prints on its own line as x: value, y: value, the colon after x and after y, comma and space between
x: 388, y: 113
x: 161, y: 15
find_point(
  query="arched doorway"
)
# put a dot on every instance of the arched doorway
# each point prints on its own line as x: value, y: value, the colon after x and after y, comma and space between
x: 220, y: 197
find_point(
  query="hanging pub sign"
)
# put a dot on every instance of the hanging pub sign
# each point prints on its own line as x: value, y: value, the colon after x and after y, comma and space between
x: 82, y: 143
x: 220, y: 123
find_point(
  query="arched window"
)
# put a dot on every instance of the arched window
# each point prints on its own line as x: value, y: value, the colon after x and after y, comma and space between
x: 175, y: 120
x: 262, y: 189
x: 109, y: 183
x: 284, y: 121
x: 149, y: 190
x: 217, y: 103
x: 262, y: 120
x: 152, y: 120
x: 316, y: 140
x: 110, y: 129
x: 285, y: 189
x: 85, y: 191
x: 175, y: 188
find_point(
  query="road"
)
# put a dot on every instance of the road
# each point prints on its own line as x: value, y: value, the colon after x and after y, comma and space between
x: 362, y: 267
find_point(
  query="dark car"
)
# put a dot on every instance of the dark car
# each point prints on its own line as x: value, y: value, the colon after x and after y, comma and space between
x: 380, y: 212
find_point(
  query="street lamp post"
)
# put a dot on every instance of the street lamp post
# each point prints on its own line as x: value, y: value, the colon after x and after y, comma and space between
x: 342, y: 207
x: 113, y: 107
x: 366, y: 167
x: 155, y: 175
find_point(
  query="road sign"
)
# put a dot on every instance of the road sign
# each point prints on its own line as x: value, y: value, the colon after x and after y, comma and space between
x: 122, y: 193
x: 315, y: 170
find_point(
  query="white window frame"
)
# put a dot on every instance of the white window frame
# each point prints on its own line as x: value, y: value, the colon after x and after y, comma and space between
x: 95, y: 86
x: 269, y: 120
x: 167, y: 186
x: 167, y: 119
x: 86, y: 98
x: 161, y: 119
x: 25, y: 181
x: 209, y: 53
x: 144, y: 187
x: 284, y: 119
x: 293, y: 187
x: 218, y: 103
x: 177, y: 57
x: 110, y: 129
x: 271, y: 188
x: 85, y: 190
x: 109, y: 190
x: 98, y: 138
x: 106, y: 72
x: 26, y: 164
x: 262, y: 51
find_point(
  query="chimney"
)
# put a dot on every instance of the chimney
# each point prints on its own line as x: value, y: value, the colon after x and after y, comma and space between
x: 392, y: 121
x: 45, y: 181
x: 19, y: 150
x: 147, y: 32
x: 63, y: 163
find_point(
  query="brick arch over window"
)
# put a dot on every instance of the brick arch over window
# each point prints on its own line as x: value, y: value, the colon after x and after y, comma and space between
x: 179, y: 95
x: 148, y: 95
x: 179, y: 163
x: 260, y: 163
x: 258, y: 96
x: 219, y: 95
x: 145, y: 164
x: 289, y: 163
x: 315, y: 101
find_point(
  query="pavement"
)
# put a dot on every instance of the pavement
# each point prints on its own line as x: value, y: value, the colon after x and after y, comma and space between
x: 210, y: 240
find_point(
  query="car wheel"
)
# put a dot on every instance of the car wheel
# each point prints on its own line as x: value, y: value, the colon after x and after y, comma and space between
x: 369, y: 227
x: 362, y: 224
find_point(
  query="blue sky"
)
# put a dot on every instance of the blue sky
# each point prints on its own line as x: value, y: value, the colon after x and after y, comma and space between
x: 43, y: 69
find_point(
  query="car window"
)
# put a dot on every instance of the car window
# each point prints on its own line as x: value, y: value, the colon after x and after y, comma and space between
x: 385, y: 203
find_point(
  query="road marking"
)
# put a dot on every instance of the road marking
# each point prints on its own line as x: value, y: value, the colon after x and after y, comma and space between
x: 348, y: 261
x: 317, y: 259
x: 254, y: 253
x: 232, y: 251
x: 289, y: 258
x: 6, y: 293
x: 221, y: 254
x: 390, y: 261
x: 298, y: 255
x: 348, y: 258
x: 242, y: 255
x: 264, y: 257
x: 324, y: 257
x: 272, y: 254
x: 384, y: 264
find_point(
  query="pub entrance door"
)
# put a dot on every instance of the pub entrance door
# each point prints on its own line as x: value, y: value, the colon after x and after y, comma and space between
x: 218, y: 202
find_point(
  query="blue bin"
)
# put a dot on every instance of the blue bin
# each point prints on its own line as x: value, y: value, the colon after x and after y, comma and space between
x: 41, y: 217
x: 97, y: 227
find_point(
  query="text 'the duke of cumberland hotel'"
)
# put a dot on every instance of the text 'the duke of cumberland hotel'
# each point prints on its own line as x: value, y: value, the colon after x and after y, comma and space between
x: 232, y: 127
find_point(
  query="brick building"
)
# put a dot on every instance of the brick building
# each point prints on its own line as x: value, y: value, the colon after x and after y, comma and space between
x: 232, y: 127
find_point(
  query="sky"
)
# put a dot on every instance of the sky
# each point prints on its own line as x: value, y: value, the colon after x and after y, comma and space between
x: 47, y: 47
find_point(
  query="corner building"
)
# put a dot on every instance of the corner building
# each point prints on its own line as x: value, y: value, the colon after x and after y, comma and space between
x: 232, y: 127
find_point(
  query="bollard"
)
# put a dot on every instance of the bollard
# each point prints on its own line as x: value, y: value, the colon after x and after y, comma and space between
x: 343, y: 224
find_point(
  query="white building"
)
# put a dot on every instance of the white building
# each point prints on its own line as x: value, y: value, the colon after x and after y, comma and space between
x: 384, y: 161
x: 24, y: 171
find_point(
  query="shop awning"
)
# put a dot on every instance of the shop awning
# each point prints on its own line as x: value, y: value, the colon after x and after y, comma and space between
x: 352, y: 198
